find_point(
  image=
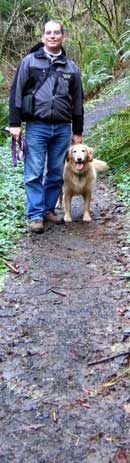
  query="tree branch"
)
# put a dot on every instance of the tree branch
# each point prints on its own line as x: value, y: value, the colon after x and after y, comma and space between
x: 73, y: 8
x: 14, y: 17
x: 107, y: 30
x: 116, y: 14
x: 108, y: 18
x: 79, y: 15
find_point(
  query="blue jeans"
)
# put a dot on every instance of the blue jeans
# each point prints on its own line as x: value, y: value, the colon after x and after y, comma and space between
x: 45, y: 142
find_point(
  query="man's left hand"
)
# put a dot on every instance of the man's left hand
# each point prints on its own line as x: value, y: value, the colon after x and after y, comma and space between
x: 76, y: 139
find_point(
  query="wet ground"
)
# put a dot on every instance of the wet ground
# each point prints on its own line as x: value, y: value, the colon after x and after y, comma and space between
x: 65, y: 320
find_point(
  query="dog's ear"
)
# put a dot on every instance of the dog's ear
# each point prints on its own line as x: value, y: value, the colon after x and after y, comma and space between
x: 69, y: 153
x: 90, y: 153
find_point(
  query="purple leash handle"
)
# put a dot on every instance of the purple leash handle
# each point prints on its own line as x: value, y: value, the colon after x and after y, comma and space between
x: 14, y: 152
x: 17, y: 149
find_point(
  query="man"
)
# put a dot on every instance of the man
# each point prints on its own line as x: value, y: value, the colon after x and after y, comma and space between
x: 47, y: 94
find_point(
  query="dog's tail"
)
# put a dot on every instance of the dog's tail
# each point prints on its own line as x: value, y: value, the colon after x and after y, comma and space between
x: 100, y: 165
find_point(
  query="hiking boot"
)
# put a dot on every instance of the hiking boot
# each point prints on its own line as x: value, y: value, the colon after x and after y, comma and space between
x: 54, y: 218
x: 36, y: 226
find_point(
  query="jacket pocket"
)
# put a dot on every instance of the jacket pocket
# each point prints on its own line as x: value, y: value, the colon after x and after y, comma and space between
x: 28, y: 104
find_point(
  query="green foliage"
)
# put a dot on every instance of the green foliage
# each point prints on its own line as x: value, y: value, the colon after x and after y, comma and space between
x: 12, y: 201
x: 94, y: 77
x: 111, y: 141
x: 92, y: 54
x: 96, y: 59
x: 96, y: 49
x: 30, y: 7
x: 3, y: 113
x: 98, y: 65
x: 18, y: 25
x: 112, y: 138
x: 6, y: 7
x: 1, y: 78
x: 122, y: 179
x: 124, y: 50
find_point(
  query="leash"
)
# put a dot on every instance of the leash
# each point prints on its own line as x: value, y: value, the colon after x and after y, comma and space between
x: 18, y: 148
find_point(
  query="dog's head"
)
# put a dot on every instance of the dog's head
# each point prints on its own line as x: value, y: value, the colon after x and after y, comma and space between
x: 79, y: 156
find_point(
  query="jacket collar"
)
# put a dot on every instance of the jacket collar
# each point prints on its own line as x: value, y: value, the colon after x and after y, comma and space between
x: 41, y: 54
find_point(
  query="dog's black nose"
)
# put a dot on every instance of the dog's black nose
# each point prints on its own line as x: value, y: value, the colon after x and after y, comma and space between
x: 79, y: 160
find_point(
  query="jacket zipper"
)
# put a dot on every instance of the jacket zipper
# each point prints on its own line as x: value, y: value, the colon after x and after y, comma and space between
x: 53, y: 93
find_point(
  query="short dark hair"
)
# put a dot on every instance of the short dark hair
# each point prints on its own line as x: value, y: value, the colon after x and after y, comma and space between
x: 55, y: 22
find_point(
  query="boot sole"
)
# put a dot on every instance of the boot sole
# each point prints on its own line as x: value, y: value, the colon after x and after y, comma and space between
x: 37, y: 230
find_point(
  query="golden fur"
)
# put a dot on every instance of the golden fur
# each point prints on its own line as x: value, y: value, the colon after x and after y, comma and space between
x: 80, y: 173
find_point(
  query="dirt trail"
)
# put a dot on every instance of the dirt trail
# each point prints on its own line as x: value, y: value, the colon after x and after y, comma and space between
x: 67, y: 307
x: 105, y: 108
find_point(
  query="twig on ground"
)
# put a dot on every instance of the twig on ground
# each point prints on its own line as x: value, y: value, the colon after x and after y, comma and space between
x: 57, y: 292
x: 11, y: 266
x: 108, y: 359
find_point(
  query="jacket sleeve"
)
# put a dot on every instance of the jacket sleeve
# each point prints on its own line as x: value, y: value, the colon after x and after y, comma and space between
x: 14, y: 113
x: 15, y: 99
x: 78, y: 109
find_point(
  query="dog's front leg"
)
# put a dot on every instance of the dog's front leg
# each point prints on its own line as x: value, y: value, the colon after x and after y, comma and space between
x: 67, y: 207
x: 87, y: 201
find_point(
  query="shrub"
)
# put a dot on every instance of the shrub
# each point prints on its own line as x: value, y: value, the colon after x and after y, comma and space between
x: 98, y: 66
x: 111, y: 139
x: 3, y: 112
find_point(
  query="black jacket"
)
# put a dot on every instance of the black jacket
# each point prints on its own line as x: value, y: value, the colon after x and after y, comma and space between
x: 47, y: 91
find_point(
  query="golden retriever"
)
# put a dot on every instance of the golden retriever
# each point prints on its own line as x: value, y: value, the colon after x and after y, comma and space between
x: 80, y: 173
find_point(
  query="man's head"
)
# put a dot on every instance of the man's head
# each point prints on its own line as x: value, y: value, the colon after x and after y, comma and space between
x: 53, y: 36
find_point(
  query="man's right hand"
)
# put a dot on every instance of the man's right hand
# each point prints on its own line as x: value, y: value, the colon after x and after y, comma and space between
x: 15, y: 132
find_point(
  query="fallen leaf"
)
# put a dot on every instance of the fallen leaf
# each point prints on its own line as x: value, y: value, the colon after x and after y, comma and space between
x: 83, y: 403
x: 127, y: 407
x: 120, y: 457
x: 96, y: 436
x: 54, y: 417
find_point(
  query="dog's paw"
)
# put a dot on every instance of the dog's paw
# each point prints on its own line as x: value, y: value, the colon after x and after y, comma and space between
x: 87, y: 218
x: 67, y: 219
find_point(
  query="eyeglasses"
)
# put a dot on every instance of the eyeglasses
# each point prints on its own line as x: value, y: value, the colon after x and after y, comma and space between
x: 53, y: 33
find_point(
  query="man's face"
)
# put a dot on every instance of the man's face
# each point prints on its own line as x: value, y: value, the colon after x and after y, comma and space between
x: 53, y: 37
